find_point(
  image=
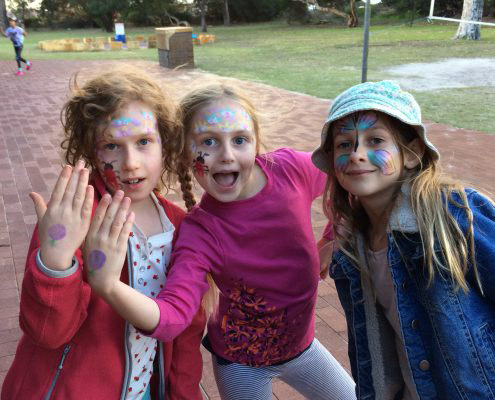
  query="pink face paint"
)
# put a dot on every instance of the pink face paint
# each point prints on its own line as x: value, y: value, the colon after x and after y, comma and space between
x: 56, y: 232
x: 383, y: 160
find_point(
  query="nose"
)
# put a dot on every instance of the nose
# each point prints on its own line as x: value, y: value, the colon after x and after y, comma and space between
x: 358, y: 152
x: 131, y: 159
x: 227, y: 155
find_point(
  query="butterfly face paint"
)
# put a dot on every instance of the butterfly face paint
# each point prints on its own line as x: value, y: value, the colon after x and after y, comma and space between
x: 358, y: 125
x: 383, y: 160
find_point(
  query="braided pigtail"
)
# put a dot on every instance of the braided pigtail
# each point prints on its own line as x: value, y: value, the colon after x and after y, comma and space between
x: 185, y: 180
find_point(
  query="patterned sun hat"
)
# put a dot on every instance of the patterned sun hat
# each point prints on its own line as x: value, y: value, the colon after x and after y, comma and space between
x: 386, y: 97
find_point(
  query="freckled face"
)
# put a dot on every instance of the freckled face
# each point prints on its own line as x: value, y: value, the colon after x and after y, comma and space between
x: 366, y: 157
x: 222, y: 143
x: 129, y: 152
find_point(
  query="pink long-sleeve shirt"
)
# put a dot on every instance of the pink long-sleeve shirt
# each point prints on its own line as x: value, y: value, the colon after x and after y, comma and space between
x: 262, y: 255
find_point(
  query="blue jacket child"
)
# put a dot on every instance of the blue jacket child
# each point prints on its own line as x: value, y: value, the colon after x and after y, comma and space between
x: 415, y: 269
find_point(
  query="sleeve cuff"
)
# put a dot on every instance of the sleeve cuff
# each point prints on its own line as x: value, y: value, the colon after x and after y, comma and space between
x: 57, y: 274
x: 328, y: 232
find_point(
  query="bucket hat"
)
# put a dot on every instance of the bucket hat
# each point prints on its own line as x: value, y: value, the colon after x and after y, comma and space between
x: 384, y: 96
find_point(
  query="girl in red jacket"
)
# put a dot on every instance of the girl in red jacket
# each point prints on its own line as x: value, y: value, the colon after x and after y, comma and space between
x: 75, y: 346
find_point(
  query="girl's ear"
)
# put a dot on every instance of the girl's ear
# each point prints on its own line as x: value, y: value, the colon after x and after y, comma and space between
x: 415, y: 150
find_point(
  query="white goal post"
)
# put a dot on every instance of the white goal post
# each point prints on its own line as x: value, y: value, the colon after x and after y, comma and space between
x: 431, y: 16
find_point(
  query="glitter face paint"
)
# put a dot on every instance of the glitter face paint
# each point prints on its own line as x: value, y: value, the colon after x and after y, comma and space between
x: 124, y: 125
x: 224, y: 119
x: 383, y: 160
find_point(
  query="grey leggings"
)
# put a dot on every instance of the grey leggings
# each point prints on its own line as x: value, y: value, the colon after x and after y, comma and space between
x: 315, y: 374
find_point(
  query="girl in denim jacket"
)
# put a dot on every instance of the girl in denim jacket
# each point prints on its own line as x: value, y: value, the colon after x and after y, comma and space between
x: 414, y: 269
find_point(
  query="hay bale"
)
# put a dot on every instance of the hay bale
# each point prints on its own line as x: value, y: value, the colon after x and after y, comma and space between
x: 116, y: 45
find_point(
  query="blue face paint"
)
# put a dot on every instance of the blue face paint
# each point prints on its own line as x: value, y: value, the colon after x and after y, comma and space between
x: 341, y: 162
x: 383, y: 160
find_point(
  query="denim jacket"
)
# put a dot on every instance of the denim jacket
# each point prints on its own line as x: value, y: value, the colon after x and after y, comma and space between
x: 449, y: 335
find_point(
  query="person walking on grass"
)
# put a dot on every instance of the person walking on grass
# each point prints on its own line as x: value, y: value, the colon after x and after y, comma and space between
x: 16, y: 34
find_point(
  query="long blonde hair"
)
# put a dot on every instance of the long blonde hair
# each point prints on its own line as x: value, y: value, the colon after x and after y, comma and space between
x: 189, y: 106
x: 431, y: 192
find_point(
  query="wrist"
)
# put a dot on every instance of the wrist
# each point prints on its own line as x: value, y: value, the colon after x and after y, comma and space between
x: 55, y: 262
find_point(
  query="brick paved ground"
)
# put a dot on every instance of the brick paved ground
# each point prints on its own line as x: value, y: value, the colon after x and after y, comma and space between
x: 30, y: 134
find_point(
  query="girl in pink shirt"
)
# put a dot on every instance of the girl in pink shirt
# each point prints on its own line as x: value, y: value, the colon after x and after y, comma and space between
x: 252, y: 234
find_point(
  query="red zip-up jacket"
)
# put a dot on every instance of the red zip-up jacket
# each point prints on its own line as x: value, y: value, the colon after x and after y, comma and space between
x: 74, y: 343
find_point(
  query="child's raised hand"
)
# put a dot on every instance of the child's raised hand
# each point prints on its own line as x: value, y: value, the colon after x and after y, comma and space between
x: 105, y: 247
x: 63, y: 224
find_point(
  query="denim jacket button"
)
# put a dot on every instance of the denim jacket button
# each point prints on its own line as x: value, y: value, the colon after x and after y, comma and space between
x: 424, y: 365
x: 415, y: 324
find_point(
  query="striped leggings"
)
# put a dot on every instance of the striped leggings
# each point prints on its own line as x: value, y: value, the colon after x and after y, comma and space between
x: 315, y: 374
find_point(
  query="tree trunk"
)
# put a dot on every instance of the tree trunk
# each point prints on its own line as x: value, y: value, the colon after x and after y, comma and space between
x: 353, y: 18
x: 3, y: 15
x: 226, y: 14
x: 471, y: 10
x: 202, y: 8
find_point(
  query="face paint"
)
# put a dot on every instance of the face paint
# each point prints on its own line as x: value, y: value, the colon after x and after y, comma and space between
x: 363, y: 122
x: 150, y: 124
x: 354, y: 123
x: 383, y: 160
x: 199, y: 164
x: 112, y: 179
x: 341, y: 162
x: 96, y: 260
x: 224, y: 119
x: 124, y: 125
x: 56, y: 232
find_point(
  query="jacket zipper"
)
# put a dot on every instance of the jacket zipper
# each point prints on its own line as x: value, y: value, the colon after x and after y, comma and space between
x: 59, y: 370
x: 128, y: 356
x: 162, y: 395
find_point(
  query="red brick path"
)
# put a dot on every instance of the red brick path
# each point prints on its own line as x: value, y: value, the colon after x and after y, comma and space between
x: 30, y: 133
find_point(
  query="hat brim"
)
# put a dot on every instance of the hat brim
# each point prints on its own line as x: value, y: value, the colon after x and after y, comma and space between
x: 320, y: 157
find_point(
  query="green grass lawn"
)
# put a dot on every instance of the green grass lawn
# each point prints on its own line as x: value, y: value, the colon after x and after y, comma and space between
x: 321, y: 60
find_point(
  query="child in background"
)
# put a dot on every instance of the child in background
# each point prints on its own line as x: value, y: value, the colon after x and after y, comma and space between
x: 415, y: 270
x: 252, y: 232
x: 75, y: 345
x: 16, y: 34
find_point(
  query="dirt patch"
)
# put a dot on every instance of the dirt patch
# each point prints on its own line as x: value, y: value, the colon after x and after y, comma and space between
x: 450, y: 73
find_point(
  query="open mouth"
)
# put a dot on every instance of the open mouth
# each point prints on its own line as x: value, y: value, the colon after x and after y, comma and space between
x: 226, y: 179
